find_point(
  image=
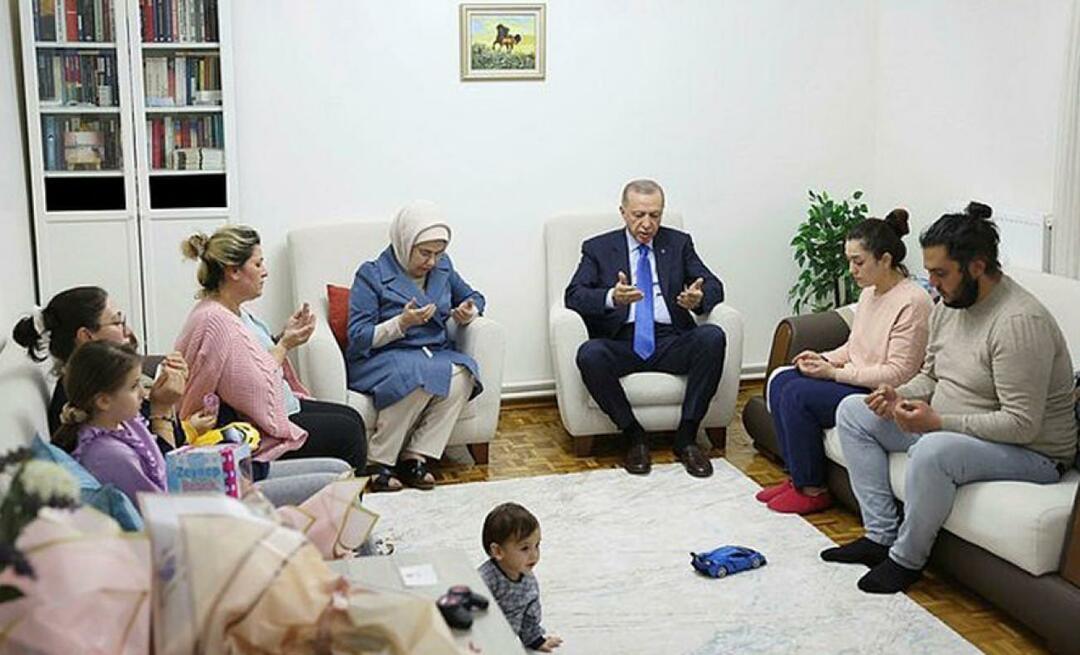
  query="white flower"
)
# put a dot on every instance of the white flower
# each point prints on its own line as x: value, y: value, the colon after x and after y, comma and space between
x: 47, y: 480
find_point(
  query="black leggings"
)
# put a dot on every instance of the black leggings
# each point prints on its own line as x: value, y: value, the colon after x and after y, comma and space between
x: 334, y: 430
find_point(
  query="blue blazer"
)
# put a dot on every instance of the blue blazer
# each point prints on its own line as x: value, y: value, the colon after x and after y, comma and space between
x: 380, y: 291
x: 603, y: 256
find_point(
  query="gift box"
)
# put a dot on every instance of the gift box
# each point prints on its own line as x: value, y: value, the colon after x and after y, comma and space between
x: 225, y: 468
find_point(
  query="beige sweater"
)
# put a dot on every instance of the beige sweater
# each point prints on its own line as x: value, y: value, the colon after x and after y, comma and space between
x: 888, y: 337
x: 1000, y: 370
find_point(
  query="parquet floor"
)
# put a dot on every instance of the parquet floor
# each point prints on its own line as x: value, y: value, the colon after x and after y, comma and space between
x: 531, y: 441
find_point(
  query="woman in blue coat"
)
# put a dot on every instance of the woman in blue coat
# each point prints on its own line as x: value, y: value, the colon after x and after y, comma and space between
x: 400, y: 352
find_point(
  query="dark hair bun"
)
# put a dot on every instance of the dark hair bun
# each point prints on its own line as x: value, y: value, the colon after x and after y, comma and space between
x: 979, y: 210
x: 898, y: 221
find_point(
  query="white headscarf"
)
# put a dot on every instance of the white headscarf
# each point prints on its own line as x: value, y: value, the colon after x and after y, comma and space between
x: 416, y: 222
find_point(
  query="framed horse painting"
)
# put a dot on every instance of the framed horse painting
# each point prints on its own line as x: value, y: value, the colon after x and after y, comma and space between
x: 502, y: 42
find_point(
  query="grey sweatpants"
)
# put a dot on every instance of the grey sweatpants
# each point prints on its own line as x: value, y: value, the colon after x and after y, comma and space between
x: 938, y: 463
x: 292, y: 481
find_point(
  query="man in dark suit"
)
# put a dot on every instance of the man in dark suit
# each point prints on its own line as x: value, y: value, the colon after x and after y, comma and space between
x: 635, y: 288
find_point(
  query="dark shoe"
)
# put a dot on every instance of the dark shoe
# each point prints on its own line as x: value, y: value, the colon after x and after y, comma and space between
x: 380, y: 477
x: 860, y: 551
x: 888, y: 578
x: 637, y: 459
x: 695, y: 461
x: 413, y: 472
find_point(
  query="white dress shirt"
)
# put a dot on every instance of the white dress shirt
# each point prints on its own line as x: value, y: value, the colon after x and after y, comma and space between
x: 660, y: 310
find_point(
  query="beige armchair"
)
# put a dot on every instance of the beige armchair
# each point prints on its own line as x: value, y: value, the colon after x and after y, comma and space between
x: 330, y: 254
x: 655, y: 397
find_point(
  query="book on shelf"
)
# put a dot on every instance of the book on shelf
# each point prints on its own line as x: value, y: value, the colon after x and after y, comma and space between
x: 73, y: 21
x: 183, y: 79
x: 179, y: 21
x: 80, y: 143
x: 166, y: 135
x: 198, y: 159
x: 76, y: 78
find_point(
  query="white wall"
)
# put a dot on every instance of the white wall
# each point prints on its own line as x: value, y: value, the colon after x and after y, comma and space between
x: 348, y: 109
x: 968, y: 93
x: 16, y: 267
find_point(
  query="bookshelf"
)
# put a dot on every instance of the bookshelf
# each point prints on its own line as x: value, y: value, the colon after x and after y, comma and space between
x: 131, y: 135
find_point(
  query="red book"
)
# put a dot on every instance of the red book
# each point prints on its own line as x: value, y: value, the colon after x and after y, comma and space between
x: 71, y: 14
x: 147, y: 21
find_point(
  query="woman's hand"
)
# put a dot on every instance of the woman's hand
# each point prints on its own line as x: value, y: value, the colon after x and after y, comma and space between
x: 411, y: 315
x: 299, y: 328
x: 464, y: 313
x: 202, y: 421
x: 819, y: 368
x: 808, y: 355
x: 167, y: 390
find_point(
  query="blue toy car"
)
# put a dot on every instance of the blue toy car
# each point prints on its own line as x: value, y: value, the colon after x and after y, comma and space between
x: 726, y: 560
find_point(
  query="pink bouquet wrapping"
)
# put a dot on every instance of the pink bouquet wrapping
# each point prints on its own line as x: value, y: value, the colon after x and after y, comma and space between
x: 333, y: 519
x: 91, y: 593
x: 230, y: 582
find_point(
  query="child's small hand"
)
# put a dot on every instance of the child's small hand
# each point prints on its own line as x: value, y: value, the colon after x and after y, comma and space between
x: 202, y: 421
x: 551, y: 642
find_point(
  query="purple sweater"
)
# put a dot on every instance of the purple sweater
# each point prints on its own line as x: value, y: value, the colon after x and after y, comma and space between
x: 128, y: 457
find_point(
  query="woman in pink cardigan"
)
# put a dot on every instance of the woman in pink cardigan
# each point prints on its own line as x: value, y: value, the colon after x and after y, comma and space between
x: 886, y: 346
x: 234, y: 355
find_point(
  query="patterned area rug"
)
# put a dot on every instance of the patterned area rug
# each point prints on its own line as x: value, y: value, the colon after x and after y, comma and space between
x: 615, y: 573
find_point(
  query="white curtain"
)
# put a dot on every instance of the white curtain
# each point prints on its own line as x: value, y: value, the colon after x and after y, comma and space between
x: 1065, y: 253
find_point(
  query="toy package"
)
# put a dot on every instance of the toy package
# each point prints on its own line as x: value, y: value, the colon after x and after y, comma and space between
x: 224, y: 467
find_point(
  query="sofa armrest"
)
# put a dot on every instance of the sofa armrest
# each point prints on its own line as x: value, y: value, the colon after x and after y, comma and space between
x: 322, y: 365
x: 485, y: 341
x: 1070, y: 556
x: 794, y: 334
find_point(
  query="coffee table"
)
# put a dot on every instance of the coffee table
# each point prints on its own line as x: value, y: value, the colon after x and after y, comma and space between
x: 489, y: 632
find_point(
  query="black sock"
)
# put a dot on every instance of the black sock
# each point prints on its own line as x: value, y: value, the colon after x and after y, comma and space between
x: 685, y: 435
x: 888, y: 578
x: 634, y: 434
x: 860, y: 551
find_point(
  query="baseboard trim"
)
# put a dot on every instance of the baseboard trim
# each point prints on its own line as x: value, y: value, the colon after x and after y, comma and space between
x: 536, y: 389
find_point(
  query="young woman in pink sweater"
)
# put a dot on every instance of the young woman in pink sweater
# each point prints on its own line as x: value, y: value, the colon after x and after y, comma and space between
x: 233, y: 354
x: 886, y: 346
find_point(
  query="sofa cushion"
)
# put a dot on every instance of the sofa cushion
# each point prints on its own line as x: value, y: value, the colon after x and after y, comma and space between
x: 1021, y: 522
x: 103, y: 497
x: 651, y: 389
x: 337, y: 314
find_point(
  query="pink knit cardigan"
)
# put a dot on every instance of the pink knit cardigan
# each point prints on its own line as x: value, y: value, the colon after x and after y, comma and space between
x: 225, y: 358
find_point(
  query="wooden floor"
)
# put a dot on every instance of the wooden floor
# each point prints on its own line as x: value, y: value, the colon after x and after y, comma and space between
x: 531, y: 441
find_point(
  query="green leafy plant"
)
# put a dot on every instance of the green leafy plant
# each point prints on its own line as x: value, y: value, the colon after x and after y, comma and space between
x: 824, y: 281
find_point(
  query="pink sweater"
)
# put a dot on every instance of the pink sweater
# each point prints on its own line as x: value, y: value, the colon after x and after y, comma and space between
x: 225, y: 358
x: 888, y: 339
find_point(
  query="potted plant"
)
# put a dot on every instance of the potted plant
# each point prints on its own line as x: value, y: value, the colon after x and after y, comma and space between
x: 824, y: 281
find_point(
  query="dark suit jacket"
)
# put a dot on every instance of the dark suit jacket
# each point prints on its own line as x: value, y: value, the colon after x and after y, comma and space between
x: 603, y: 256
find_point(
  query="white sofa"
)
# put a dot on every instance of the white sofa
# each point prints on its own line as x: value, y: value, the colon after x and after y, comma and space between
x: 330, y: 254
x: 25, y: 389
x: 1015, y: 543
x: 656, y: 397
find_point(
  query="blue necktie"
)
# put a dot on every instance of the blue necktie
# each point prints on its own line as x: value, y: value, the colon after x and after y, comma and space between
x: 644, y: 335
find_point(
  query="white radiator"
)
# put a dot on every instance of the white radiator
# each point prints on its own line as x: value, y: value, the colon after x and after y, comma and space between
x: 1025, y: 239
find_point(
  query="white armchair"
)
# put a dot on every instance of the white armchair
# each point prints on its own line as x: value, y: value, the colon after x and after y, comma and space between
x: 330, y: 254
x: 656, y: 397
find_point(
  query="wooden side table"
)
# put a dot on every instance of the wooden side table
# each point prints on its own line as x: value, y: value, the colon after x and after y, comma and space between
x: 489, y: 632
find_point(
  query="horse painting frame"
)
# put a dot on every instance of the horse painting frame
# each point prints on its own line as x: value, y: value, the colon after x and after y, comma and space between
x: 503, y: 41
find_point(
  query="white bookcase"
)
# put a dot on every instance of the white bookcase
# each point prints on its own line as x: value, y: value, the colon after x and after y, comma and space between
x: 132, y: 147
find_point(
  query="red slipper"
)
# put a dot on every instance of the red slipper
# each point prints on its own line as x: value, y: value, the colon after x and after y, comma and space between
x: 796, y: 502
x: 768, y: 493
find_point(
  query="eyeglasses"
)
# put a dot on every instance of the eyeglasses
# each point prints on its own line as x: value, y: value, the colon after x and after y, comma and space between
x: 120, y: 320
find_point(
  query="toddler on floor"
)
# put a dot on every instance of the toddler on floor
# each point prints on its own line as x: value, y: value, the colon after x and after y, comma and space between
x: 511, y: 539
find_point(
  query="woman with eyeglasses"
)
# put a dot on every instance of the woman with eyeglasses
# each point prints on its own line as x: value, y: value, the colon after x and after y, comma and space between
x: 82, y: 314
x: 400, y: 351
